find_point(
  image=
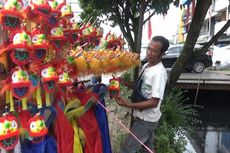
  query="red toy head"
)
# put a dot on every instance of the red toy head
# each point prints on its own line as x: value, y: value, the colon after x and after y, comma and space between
x: 37, y: 128
x: 73, y: 32
x: 40, y: 45
x: 57, y: 37
x: 66, y: 11
x: 55, y: 13
x: 20, y: 47
x: 64, y: 81
x: 11, y: 15
x: 20, y: 84
x: 9, y: 132
x: 49, y: 78
x: 40, y: 7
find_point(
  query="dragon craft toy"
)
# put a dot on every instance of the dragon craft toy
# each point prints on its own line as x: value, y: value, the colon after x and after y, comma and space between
x: 11, y: 16
x: 20, y: 47
x: 9, y: 132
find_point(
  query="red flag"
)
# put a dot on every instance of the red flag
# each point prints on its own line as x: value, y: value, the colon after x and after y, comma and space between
x: 149, y: 29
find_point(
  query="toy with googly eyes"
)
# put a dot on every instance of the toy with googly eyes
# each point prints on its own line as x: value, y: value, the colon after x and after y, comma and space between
x: 40, y: 7
x: 114, y: 87
x: 66, y: 11
x: 40, y: 45
x: 9, y: 132
x: 55, y: 13
x: 20, y: 86
x: 57, y: 37
x: 49, y: 81
x: 20, y: 47
x: 73, y: 32
x: 37, y: 128
x: 11, y: 15
x: 64, y: 81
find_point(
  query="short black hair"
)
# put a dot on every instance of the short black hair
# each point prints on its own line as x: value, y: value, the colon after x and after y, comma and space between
x: 163, y: 41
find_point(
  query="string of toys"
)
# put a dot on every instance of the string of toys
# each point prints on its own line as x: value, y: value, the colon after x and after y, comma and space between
x: 43, y: 53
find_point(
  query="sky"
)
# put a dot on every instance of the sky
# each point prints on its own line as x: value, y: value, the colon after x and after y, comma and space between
x: 165, y: 26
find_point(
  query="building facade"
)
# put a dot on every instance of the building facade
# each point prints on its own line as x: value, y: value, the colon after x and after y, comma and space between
x: 217, y: 16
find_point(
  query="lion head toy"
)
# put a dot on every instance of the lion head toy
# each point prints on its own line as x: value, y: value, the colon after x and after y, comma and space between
x: 40, y: 45
x: 20, y: 84
x: 66, y: 11
x: 11, y: 15
x: 49, y: 78
x: 64, y: 81
x: 9, y: 132
x: 73, y: 32
x: 54, y: 14
x: 20, y: 47
x: 37, y: 128
x: 40, y: 7
x: 57, y: 37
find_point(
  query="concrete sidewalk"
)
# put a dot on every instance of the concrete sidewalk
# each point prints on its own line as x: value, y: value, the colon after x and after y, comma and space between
x: 221, y: 72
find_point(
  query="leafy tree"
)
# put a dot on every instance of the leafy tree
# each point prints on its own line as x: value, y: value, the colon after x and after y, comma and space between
x: 127, y: 14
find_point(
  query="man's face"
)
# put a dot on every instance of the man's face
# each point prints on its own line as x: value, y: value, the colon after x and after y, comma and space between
x: 153, y: 53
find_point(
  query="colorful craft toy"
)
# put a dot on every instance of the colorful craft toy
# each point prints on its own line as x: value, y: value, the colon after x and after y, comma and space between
x: 49, y: 53
x: 64, y: 79
x: 114, y: 87
x: 54, y: 14
x: 73, y: 32
x: 11, y: 15
x: 49, y: 78
x: 66, y: 11
x: 20, y: 47
x: 37, y: 128
x: 57, y: 37
x: 40, y: 45
x: 9, y: 132
x: 40, y: 7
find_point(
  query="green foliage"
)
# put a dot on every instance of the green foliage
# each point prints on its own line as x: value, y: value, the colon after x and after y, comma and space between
x: 166, y: 142
x: 176, y: 117
x: 117, y: 140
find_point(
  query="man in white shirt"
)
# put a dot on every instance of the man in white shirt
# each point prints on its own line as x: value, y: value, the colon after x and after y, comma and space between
x: 148, y: 92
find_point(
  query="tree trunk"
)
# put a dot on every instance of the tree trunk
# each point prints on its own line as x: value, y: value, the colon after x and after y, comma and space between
x: 141, y: 19
x: 193, y: 33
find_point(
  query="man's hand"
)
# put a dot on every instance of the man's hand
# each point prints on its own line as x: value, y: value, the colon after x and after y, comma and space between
x: 122, y: 102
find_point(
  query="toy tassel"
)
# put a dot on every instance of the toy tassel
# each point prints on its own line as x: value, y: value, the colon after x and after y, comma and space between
x: 7, y: 97
x: 34, y: 95
x: 77, y: 148
x: 38, y: 98
x: 48, y: 102
x: 11, y: 102
x: 24, y: 105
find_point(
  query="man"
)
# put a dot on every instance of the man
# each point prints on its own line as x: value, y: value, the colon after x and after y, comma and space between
x: 148, y: 92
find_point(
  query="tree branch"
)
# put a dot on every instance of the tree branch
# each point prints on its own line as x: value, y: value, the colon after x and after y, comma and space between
x: 148, y: 17
x: 215, y: 37
x: 126, y: 33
